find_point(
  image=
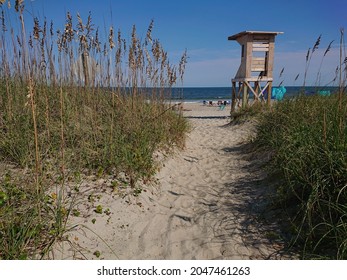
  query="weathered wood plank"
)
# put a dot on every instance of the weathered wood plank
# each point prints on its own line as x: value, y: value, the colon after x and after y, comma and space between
x: 260, y: 45
x: 253, y: 79
x: 258, y: 62
x: 258, y: 58
x: 257, y: 69
x: 260, y: 49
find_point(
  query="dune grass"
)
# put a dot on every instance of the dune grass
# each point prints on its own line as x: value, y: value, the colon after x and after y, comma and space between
x: 72, y: 104
x: 308, y: 138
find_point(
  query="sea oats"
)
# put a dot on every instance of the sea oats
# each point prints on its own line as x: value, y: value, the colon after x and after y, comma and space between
x: 315, y: 47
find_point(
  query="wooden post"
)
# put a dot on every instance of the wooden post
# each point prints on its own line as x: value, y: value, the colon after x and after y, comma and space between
x: 256, y: 90
x: 244, y: 95
x: 269, y: 90
x: 233, y: 96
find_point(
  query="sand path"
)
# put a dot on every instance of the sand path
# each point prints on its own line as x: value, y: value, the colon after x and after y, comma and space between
x: 205, y: 205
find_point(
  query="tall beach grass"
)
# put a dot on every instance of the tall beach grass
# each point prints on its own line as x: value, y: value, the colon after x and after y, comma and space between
x: 308, y: 137
x: 72, y: 103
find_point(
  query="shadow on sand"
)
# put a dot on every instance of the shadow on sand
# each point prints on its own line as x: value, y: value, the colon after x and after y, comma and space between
x: 207, y: 117
x: 241, y: 212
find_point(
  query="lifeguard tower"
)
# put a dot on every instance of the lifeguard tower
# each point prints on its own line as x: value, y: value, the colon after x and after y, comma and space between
x: 257, y: 57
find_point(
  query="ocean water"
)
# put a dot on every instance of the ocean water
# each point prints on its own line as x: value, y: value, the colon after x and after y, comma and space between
x: 198, y: 94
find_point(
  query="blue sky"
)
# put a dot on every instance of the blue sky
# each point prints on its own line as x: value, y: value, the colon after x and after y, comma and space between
x: 202, y: 27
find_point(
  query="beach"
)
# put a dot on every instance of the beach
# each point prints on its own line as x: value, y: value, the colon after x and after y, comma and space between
x: 207, y: 201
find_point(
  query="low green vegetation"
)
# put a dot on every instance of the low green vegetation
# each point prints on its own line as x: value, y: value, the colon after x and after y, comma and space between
x: 307, y: 137
x: 73, y: 105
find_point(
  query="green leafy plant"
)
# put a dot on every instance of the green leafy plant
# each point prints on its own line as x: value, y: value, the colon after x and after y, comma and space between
x: 98, y: 209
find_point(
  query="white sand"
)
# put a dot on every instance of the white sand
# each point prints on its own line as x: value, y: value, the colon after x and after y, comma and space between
x: 205, y: 204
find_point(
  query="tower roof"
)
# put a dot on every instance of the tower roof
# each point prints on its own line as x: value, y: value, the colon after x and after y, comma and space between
x: 238, y: 35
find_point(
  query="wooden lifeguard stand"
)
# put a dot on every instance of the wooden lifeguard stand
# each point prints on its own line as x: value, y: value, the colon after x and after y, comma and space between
x: 257, y: 57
